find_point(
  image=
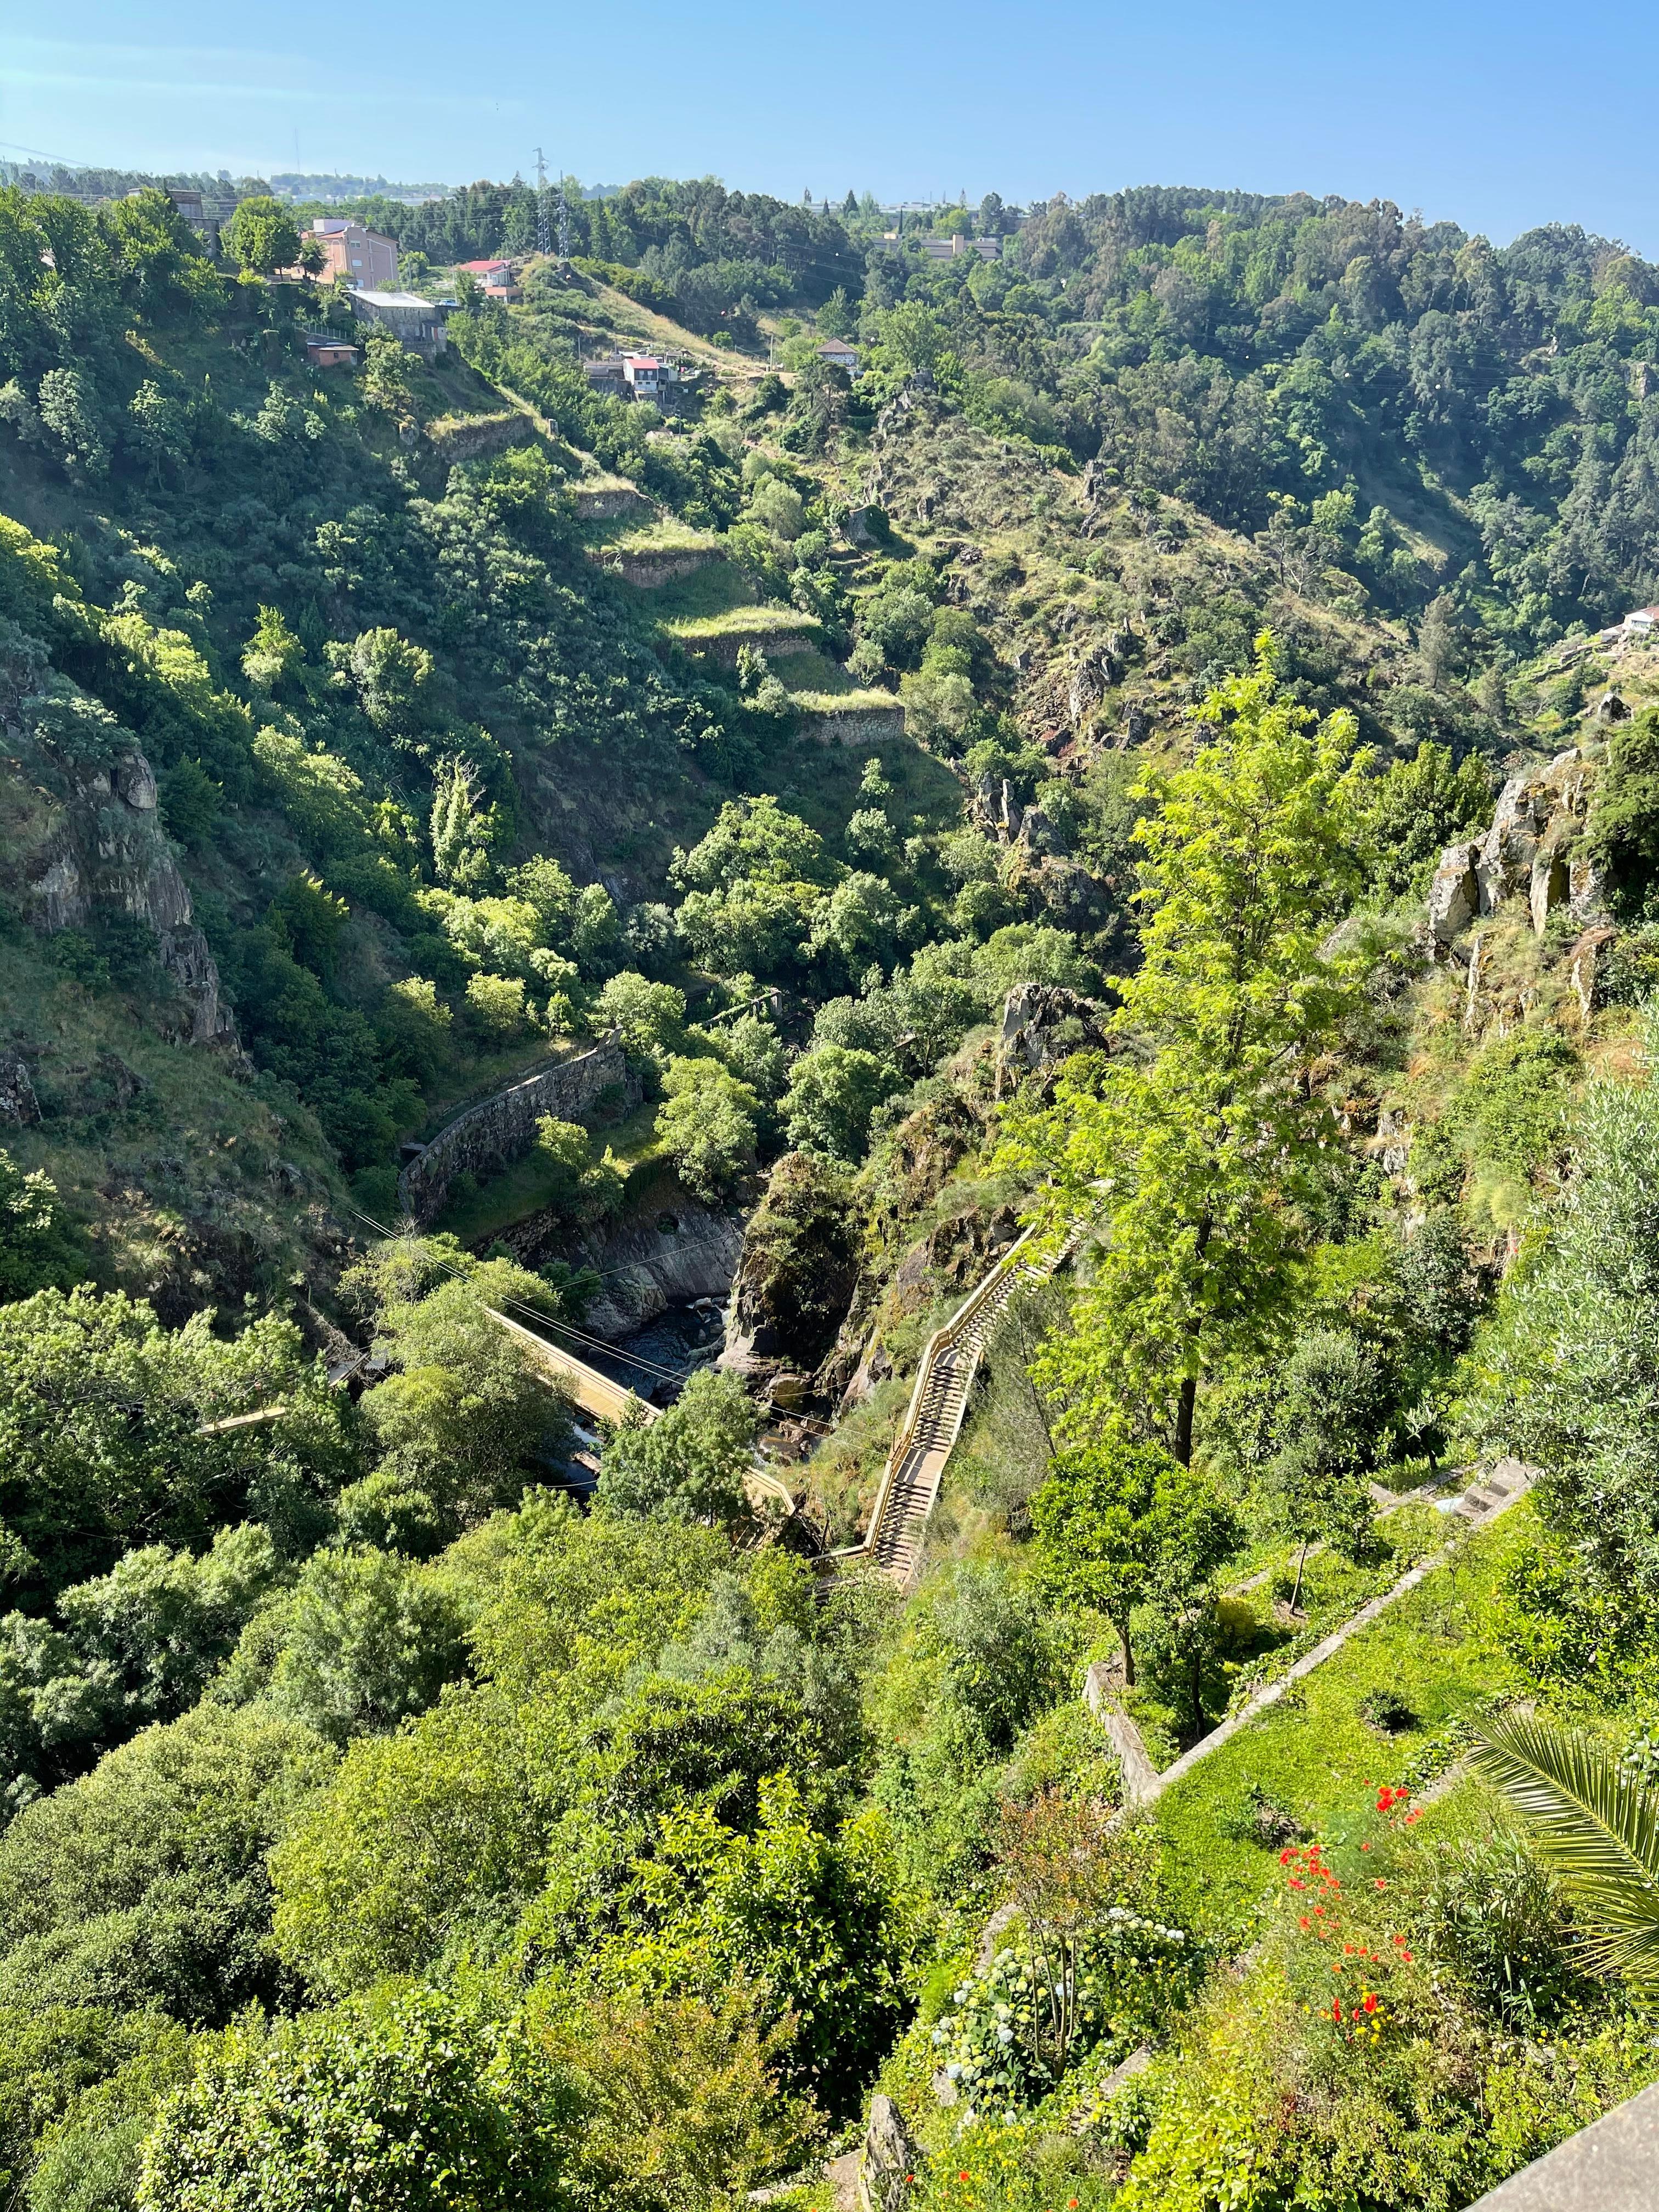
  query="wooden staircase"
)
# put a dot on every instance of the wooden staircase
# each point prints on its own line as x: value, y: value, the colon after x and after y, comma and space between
x: 915, y: 1467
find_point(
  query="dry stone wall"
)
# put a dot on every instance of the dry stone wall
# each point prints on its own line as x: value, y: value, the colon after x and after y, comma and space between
x: 491, y: 1135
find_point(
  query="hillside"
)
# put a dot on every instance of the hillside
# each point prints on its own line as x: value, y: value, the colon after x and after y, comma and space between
x: 1156, y: 762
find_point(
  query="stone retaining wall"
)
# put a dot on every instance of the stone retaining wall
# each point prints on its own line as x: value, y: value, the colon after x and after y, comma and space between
x: 863, y: 725
x: 470, y: 437
x: 724, y: 646
x: 606, y: 504
x: 491, y: 1135
x: 651, y: 570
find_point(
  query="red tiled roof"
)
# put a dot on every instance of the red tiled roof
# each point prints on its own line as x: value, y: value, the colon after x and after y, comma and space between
x: 480, y: 268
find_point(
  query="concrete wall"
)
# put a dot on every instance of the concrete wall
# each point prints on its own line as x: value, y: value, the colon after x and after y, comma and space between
x: 491, y: 1135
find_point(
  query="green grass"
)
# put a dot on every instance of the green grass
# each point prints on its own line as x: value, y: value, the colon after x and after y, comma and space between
x: 744, y: 621
x: 718, y: 588
x: 849, y: 699
x: 1314, y: 1755
x: 626, y: 533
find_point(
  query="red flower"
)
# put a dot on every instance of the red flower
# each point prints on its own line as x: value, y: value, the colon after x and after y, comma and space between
x: 1295, y: 1884
x: 1370, y: 2000
x: 1381, y: 1883
x: 1336, y: 2008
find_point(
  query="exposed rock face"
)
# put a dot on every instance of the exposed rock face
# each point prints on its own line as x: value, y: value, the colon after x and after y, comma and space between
x: 1042, y: 1023
x: 797, y: 1272
x: 492, y: 1135
x: 18, y: 1104
x: 108, y: 854
x: 889, y: 2165
x: 671, y: 1252
x: 1584, y: 965
x: 1532, y: 849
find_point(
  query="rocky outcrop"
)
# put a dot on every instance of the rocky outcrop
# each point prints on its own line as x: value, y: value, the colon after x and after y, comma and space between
x: 1042, y: 1024
x: 887, y: 2170
x: 797, y: 1275
x: 19, y: 1106
x: 498, y: 1130
x: 1533, y: 850
x: 107, y: 855
x: 671, y: 1252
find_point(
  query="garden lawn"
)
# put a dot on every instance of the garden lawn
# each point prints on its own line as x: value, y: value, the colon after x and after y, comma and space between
x: 1314, y: 1755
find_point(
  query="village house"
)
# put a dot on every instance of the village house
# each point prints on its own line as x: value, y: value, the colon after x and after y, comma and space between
x: 330, y: 353
x: 416, y: 323
x: 840, y: 355
x: 496, y: 276
x: 635, y: 376
x: 364, y: 259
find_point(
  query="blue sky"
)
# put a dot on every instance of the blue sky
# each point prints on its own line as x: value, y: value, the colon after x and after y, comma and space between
x: 1498, y: 118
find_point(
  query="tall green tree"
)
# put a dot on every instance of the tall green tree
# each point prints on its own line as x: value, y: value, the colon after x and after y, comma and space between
x: 1121, y: 1525
x: 263, y: 236
x: 1198, y: 1140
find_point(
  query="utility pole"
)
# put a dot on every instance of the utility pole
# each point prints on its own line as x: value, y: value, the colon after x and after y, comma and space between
x: 543, y: 243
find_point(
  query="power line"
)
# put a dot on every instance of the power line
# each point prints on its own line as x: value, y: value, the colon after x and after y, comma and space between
x: 533, y: 1313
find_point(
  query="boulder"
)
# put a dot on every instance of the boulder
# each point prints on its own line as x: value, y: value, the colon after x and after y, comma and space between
x: 1455, y: 894
x: 887, y: 2169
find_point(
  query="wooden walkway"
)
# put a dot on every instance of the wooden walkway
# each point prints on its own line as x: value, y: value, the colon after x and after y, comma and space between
x: 939, y: 1402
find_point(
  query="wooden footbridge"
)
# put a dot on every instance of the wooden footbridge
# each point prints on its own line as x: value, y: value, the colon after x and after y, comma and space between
x: 927, y: 1435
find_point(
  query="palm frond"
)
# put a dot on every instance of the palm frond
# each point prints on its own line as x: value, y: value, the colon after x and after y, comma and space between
x: 1595, y: 1828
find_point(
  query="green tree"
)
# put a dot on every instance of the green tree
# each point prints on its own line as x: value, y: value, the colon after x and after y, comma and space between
x: 397, y: 2104
x: 1594, y: 1826
x: 1332, y: 1409
x: 160, y: 426
x: 1121, y: 1525
x: 708, y: 1127
x: 365, y: 1639
x: 36, y: 1250
x: 1624, y: 825
x: 144, y: 1885
x: 1565, y: 1374
x: 1418, y: 807
x: 690, y: 1463
x: 833, y: 1091
x: 466, y: 1416
x: 273, y: 655
x: 649, y: 1017
x: 82, y: 1480
x: 68, y: 409
x: 1203, y: 1144
x: 262, y: 235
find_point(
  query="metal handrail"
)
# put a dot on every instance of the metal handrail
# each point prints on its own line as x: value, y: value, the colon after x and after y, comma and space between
x: 942, y: 1339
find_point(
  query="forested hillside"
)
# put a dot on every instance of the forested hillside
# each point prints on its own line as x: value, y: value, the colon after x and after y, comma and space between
x: 1155, y: 757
